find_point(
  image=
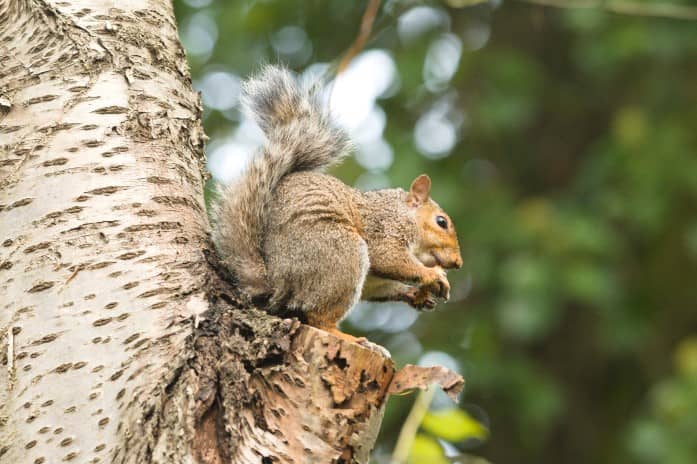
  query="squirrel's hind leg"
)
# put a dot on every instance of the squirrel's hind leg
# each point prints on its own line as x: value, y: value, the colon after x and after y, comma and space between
x: 320, y: 273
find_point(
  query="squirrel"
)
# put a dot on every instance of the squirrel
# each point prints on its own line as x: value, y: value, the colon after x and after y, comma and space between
x: 302, y: 241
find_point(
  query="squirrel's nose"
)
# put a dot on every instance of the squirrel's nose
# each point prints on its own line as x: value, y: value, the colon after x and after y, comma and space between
x: 453, y: 262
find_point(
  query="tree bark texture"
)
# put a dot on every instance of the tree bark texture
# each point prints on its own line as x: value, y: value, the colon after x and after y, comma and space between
x: 122, y: 339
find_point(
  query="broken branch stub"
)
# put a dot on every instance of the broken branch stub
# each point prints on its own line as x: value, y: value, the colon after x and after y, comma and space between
x: 411, y: 377
x: 320, y: 400
x: 323, y: 403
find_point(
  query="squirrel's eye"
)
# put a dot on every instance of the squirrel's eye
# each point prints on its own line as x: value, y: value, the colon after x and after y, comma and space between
x: 442, y: 222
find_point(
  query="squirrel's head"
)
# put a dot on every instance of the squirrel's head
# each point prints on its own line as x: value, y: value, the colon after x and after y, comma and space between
x: 438, y: 244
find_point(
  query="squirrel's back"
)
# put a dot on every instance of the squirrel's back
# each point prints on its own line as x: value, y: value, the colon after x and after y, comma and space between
x: 300, y: 137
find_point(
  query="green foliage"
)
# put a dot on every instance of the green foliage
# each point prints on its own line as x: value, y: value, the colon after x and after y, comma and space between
x: 570, y: 170
x: 426, y: 449
x: 453, y: 425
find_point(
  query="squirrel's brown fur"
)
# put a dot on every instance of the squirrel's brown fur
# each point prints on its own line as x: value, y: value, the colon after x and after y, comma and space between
x: 306, y: 240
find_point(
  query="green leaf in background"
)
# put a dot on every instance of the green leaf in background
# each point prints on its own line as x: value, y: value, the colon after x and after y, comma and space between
x: 426, y: 450
x: 686, y: 357
x: 454, y: 425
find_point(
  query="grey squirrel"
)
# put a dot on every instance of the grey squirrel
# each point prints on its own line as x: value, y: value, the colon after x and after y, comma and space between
x: 303, y: 241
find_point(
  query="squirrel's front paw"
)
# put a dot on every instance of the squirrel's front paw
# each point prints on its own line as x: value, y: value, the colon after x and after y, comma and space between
x: 438, y: 284
x: 420, y: 298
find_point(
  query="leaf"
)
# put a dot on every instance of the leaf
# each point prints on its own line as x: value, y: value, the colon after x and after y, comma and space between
x: 454, y: 425
x: 426, y: 450
x: 686, y: 356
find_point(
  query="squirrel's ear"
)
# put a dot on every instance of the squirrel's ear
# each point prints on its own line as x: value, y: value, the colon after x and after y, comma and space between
x: 419, y: 191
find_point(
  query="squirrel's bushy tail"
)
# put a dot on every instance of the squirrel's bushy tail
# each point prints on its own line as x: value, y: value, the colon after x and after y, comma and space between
x: 300, y: 137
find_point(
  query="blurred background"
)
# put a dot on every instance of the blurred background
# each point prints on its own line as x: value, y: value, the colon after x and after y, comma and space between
x: 563, y: 143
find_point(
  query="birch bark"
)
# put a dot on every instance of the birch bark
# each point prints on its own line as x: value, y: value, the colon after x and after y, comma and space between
x: 102, y: 222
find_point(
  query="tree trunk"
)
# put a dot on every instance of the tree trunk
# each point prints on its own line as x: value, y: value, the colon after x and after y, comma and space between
x: 122, y: 339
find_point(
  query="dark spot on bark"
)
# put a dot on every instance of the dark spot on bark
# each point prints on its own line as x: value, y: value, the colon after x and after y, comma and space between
x: 87, y: 127
x: 164, y: 225
x: 131, y: 338
x: 40, y: 287
x: 123, y: 317
x: 70, y: 456
x: 66, y: 441
x: 101, y: 322
x: 96, y: 339
x: 101, y: 265
x: 42, y: 99
x: 340, y: 362
x: 59, y: 430
x: 158, y: 180
x: 131, y: 255
x: 69, y: 410
x: 46, y: 403
x: 82, y: 198
x: 130, y: 285
x: 53, y: 215
x: 55, y: 162
x: 7, y: 242
x: 44, y: 429
x: 5, y: 265
x: 38, y: 246
x: 30, y: 445
x: 99, y: 447
x: 79, y: 365
x: 103, y: 421
x: 63, y: 367
x: 112, y: 110
x: 120, y: 394
x: 158, y: 291
x: 45, y: 339
x: 116, y: 375
x: 173, y: 381
x: 147, y: 213
x: 98, y: 368
x: 106, y: 190
x: 22, y: 202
